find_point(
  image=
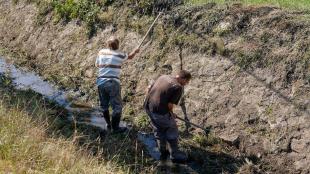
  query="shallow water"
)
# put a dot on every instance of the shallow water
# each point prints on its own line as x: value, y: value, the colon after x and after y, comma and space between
x: 150, y: 143
x: 88, y: 115
x: 25, y: 80
x: 28, y: 80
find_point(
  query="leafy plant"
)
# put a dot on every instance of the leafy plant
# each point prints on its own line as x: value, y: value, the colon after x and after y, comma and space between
x: 245, y: 60
x: 142, y: 121
x: 83, y: 10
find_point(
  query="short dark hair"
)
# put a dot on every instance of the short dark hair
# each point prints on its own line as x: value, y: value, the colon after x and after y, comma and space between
x: 113, y: 43
x: 183, y: 74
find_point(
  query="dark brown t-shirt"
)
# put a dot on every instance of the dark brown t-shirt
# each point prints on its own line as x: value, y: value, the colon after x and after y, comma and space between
x: 165, y: 90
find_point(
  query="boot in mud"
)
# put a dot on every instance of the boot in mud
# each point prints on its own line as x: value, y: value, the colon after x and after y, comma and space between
x: 115, y: 124
x: 164, y: 153
x: 176, y: 155
x: 164, y: 165
x: 106, y: 117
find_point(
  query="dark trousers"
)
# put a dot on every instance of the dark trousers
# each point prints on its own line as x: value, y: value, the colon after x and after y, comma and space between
x: 166, y: 134
x: 110, y: 95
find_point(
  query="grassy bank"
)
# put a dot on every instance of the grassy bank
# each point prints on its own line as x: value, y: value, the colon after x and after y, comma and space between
x: 287, y: 4
x: 28, y: 143
x: 36, y: 138
x: 25, y: 148
x: 97, y: 14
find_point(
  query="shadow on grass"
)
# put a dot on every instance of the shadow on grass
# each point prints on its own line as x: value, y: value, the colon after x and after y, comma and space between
x: 122, y: 150
x: 207, y: 161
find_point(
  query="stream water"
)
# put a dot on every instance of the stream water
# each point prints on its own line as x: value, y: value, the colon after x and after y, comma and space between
x: 90, y: 115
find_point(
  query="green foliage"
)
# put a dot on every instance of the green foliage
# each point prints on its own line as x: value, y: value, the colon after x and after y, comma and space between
x: 128, y: 111
x: 269, y: 111
x: 144, y: 6
x: 5, y: 81
x: 44, y: 8
x: 198, y: 2
x: 294, y: 5
x: 265, y: 37
x: 192, y: 41
x: 84, y: 10
x: 142, y: 121
x: 65, y: 10
x: 204, y: 140
x: 200, y: 139
x: 245, y: 60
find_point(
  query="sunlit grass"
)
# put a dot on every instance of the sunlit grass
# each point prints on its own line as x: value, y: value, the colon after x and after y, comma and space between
x: 287, y: 4
x: 25, y: 148
x: 35, y: 137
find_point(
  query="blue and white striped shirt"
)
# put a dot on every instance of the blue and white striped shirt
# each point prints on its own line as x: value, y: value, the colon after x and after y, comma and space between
x: 109, y: 63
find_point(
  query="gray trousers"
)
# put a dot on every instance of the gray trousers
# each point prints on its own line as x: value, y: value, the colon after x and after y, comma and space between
x: 166, y: 133
x: 164, y: 126
x: 110, y: 94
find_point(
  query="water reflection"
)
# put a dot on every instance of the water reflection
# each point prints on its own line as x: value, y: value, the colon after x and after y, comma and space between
x: 25, y: 80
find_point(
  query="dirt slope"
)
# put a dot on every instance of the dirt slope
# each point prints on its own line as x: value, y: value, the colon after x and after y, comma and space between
x: 251, y: 68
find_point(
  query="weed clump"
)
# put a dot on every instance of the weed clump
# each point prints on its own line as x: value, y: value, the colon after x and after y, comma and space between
x: 83, y: 10
x: 245, y: 60
x: 151, y: 7
x: 142, y: 121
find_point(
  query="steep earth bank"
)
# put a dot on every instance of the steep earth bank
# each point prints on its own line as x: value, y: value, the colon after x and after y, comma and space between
x: 251, y: 68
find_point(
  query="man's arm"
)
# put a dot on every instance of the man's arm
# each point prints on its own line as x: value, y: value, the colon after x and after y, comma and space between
x: 133, y: 53
x: 170, y: 107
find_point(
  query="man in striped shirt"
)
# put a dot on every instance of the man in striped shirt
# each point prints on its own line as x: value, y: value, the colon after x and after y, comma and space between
x: 109, y: 63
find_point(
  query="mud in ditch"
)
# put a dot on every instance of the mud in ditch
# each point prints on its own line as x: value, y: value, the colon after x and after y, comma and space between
x: 85, y: 126
x: 25, y: 80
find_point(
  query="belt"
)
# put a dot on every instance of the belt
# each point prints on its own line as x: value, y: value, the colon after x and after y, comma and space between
x: 108, y: 77
x: 110, y: 66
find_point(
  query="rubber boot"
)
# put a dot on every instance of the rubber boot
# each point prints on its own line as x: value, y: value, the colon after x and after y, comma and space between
x: 164, y: 153
x: 106, y: 116
x: 115, y: 124
x: 176, y: 155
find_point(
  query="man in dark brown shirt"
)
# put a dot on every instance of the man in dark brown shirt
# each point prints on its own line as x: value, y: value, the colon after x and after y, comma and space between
x: 161, y: 98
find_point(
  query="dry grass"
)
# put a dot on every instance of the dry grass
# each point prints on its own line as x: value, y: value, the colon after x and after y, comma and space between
x: 287, y: 4
x: 36, y: 137
x: 25, y: 148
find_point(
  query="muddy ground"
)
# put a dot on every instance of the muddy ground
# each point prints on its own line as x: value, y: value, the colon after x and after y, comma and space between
x: 251, y: 69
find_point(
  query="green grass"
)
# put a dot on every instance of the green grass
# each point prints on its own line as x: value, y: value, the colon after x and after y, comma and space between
x: 36, y: 138
x: 25, y: 147
x: 27, y: 138
x: 287, y: 4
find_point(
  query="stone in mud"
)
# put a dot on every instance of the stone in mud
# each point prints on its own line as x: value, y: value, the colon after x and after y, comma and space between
x: 301, y: 145
x: 233, y: 139
x: 303, y: 165
x: 89, y: 73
